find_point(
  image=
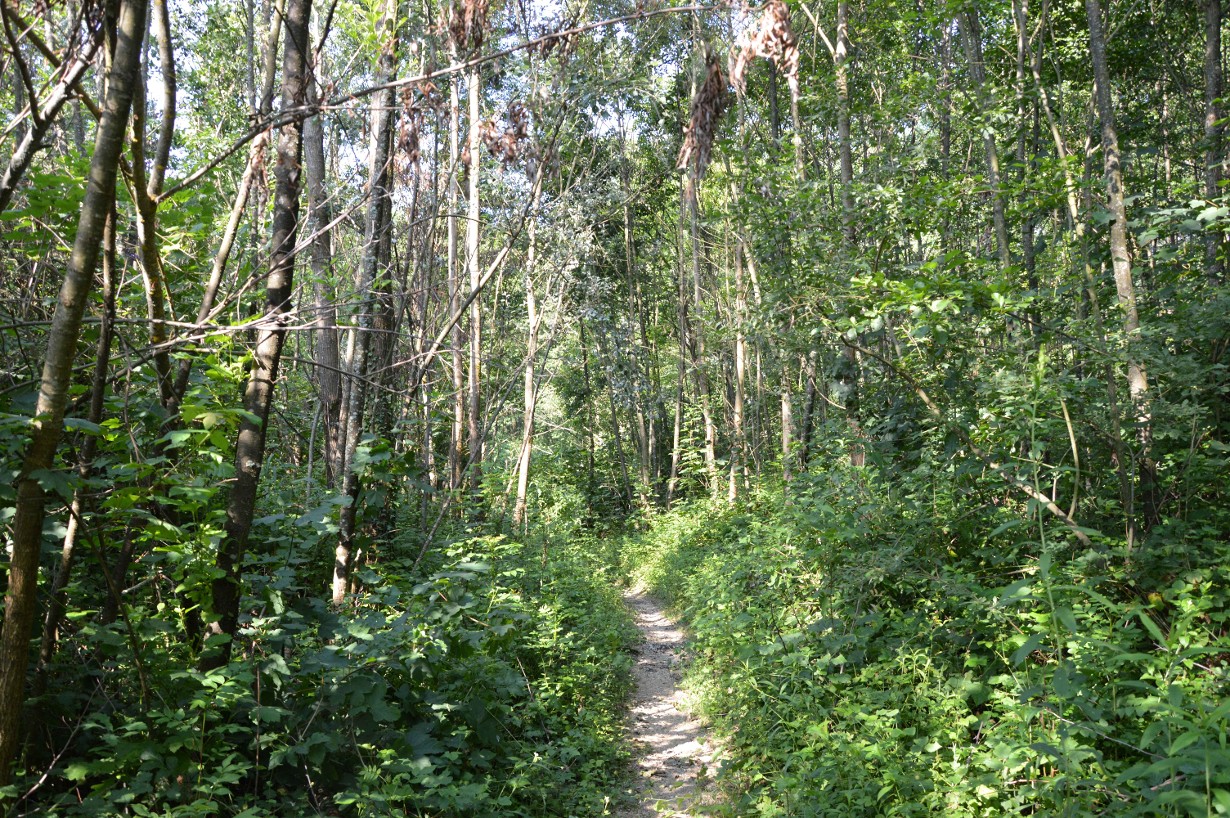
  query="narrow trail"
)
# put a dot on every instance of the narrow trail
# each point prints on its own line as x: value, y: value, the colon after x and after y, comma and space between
x: 674, y: 750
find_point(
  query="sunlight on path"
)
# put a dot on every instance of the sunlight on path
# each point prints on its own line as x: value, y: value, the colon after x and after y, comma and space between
x: 674, y: 750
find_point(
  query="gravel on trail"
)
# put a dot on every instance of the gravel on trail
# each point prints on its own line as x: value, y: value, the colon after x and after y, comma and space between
x: 674, y: 751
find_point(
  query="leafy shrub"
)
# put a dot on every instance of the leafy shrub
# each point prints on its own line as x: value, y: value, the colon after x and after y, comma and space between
x: 489, y: 684
x: 862, y: 658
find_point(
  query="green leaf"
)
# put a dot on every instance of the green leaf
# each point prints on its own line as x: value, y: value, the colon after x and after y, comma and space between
x: 82, y: 425
x: 1030, y: 645
x: 1151, y: 626
x: 1067, y: 619
x: 1184, y: 741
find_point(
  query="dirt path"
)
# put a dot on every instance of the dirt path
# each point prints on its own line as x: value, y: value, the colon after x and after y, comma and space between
x: 674, y: 751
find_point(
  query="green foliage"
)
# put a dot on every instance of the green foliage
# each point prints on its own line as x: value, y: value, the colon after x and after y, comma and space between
x: 861, y: 657
x: 489, y: 683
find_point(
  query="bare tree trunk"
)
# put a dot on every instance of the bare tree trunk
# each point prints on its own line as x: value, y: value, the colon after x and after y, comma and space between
x: 841, y: 53
x: 256, y: 157
x: 644, y: 444
x: 457, y: 439
x: 85, y: 460
x: 1213, y: 129
x: 530, y: 392
x: 48, y: 420
x: 328, y: 359
x: 608, y: 359
x: 1121, y: 262
x: 589, y: 426
x: 971, y: 35
x: 698, y: 348
x: 377, y: 228
x: 738, y: 454
x: 672, y: 483
x: 849, y: 368
x: 474, y: 415
x: 145, y: 188
x: 258, y: 396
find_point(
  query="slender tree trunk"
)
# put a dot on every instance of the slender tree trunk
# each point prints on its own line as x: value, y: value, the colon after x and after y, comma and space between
x: 807, y: 365
x: 258, y: 396
x: 474, y: 415
x: 698, y: 348
x: 1027, y: 123
x: 457, y: 439
x: 377, y: 228
x: 1213, y: 129
x: 47, y: 424
x: 971, y: 34
x: 85, y: 461
x: 1121, y: 262
x: 530, y: 392
x: 738, y: 454
x: 644, y: 443
x: 848, y: 370
x: 144, y: 193
x: 261, y: 109
x: 841, y: 52
x: 590, y: 481
x: 328, y: 359
x: 608, y: 358
x: 672, y: 483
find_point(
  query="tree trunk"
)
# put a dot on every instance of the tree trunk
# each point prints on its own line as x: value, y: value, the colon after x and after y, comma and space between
x: 530, y: 391
x: 85, y: 460
x: 971, y: 35
x: 328, y: 361
x: 474, y: 415
x: 1121, y: 262
x: 457, y: 438
x: 697, y: 346
x: 377, y: 228
x: 48, y: 420
x: 1213, y: 129
x: 256, y: 157
x: 849, y: 367
x: 258, y: 396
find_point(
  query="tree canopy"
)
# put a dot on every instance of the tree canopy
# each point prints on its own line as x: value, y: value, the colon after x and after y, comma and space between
x: 353, y: 352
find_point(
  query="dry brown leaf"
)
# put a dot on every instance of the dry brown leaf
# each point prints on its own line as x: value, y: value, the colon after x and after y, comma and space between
x: 707, y: 108
x: 772, y: 39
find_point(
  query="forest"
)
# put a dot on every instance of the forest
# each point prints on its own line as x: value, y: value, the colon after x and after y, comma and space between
x: 358, y: 356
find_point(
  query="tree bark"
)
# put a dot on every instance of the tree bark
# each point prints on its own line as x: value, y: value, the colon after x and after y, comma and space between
x: 258, y: 396
x: 1121, y: 262
x: 326, y: 350
x: 377, y: 228
x: 47, y: 425
x: 473, y: 214
x: 85, y: 460
x: 971, y: 35
x: 530, y: 390
x: 457, y: 437
x: 1213, y: 129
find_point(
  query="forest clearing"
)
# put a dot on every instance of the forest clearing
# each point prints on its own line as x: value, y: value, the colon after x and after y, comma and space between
x: 567, y: 408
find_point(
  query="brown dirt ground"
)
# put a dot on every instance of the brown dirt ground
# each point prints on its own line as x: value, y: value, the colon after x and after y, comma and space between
x: 675, y: 753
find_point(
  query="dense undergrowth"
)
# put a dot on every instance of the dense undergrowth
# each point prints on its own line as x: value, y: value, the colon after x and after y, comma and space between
x: 487, y: 682
x: 863, y: 654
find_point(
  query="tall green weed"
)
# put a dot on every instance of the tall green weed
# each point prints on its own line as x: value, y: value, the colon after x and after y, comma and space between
x: 863, y: 654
